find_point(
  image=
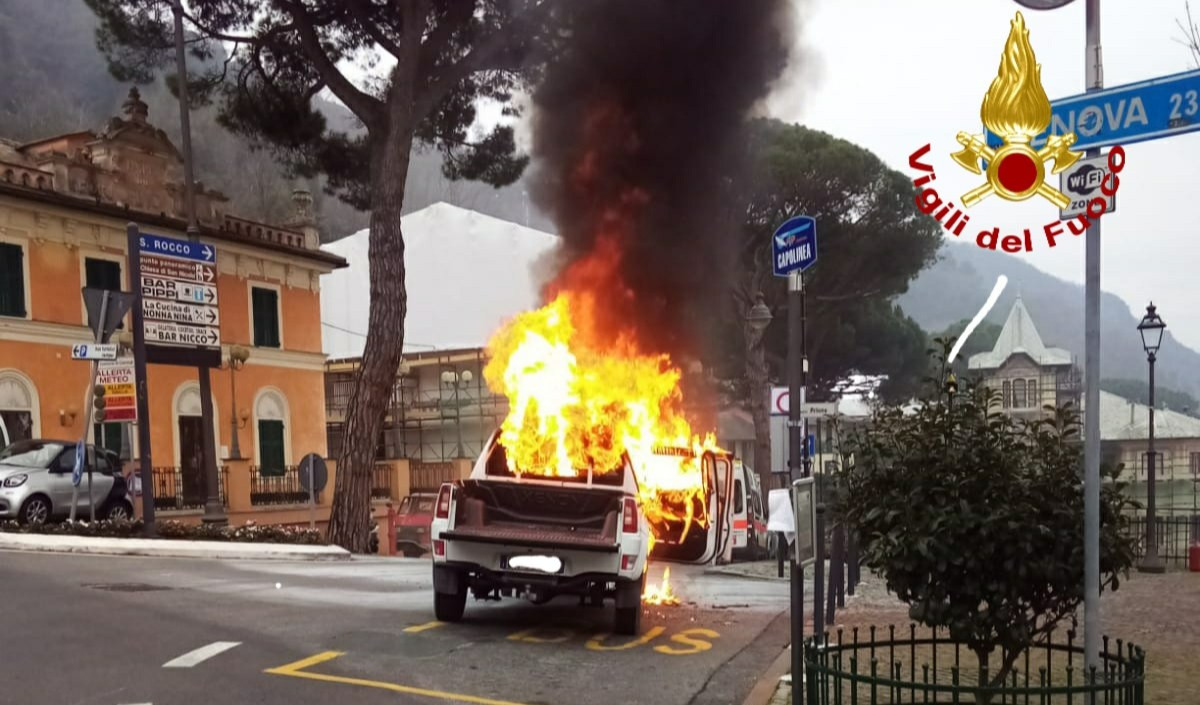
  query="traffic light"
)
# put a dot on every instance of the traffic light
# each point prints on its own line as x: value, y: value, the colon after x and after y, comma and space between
x: 98, y: 403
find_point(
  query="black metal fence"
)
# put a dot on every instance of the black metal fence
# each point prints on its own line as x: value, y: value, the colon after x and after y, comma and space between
x: 381, y: 481
x: 176, y: 488
x: 275, y: 487
x: 1173, y: 534
x: 926, y: 666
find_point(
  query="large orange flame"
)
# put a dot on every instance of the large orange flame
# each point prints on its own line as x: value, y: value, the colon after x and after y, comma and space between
x: 582, y: 396
x: 1015, y: 106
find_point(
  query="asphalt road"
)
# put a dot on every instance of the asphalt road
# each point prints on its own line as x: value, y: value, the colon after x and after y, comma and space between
x: 89, y: 630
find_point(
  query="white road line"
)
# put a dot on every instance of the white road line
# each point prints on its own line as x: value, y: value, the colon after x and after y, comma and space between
x: 201, y: 654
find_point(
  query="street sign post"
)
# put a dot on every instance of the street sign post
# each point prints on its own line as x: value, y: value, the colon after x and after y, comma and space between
x: 180, y: 315
x: 94, y: 351
x: 794, y: 245
x: 119, y: 381
x: 1135, y: 112
x: 313, y: 476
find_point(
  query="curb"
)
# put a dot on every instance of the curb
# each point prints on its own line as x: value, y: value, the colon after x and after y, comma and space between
x: 168, y: 548
x: 747, y: 576
x: 766, y: 686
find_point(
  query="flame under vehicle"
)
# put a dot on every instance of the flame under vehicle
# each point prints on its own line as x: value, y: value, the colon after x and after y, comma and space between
x: 502, y: 533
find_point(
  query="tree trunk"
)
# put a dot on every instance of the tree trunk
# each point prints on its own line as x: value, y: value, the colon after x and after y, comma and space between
x: 760, y: 400
x: 350, y: 516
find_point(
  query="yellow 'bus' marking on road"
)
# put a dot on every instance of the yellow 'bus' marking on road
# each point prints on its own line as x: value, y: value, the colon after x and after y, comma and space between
x: 596, y: 643
x: 687, y: 637
x: 543, y: 635
x: 296, y: 670
x: 424, y: 627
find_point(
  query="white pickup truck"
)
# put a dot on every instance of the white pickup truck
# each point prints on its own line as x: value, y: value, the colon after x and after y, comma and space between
x: 500, y: 534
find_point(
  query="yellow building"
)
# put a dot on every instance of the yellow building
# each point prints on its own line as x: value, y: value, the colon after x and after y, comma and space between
x: 64, y: 205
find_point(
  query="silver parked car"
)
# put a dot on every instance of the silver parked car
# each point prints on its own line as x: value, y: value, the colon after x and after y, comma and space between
x: 35, y: 482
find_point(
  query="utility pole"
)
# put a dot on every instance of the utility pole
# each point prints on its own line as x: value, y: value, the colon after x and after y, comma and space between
x: 1092, y: 626
x: 214, y: 510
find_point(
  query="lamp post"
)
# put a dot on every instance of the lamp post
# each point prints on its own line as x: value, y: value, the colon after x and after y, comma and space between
x: 237, y: 359
x: 757, y: 319
x: 455, y: 380
x: 1151, y: 328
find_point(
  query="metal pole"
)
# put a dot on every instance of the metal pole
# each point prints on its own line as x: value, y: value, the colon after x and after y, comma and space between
x: 235, y: 450
x: 1151, y: 561
x: 818, y: 574
x: 797, y: 630
x: 145, y: 461
x: 797, y: 448
x: 1091, y: 433
x: 312, y: 496
x: 214, y: 510
x: 98, y: 333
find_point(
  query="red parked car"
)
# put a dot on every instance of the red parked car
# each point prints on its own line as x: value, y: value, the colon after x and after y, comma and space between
x: 412, y: 523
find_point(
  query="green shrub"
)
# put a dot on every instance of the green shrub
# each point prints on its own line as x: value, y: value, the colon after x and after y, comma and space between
x: 976, y: 520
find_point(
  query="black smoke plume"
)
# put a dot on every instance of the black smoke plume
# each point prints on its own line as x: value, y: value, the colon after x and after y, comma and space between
x: 637, y: 130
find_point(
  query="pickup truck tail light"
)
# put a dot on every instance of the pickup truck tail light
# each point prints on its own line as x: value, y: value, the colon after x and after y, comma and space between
x: 630, y: 516
x: 443, y: 501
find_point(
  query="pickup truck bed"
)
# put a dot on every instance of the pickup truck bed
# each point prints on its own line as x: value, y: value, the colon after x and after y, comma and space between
x: 534, y: 536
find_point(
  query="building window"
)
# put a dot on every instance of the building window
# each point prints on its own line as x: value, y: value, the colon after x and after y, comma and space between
x: 1194, y: 464
x: 109, y: 436
x: 1032, y: 388
x: 102, y: 274
x: 1007, y: 394
x: 18, y: 408
x: 270, y: 413
x: 12, y: 280
x: 264, y: 305
x: 1019, y: 400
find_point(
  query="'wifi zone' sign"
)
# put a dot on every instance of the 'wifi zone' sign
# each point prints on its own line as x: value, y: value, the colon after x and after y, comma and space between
x: 1081, y: 183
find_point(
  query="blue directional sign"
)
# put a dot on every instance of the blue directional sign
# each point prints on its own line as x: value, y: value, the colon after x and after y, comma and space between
x: 171, y: 247
x: 77, y: 471
x: 794, y: 245
x: 1135, y: 112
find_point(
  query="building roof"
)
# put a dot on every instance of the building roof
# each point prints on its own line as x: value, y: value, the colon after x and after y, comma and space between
x: 1019, y: 335
x: 466, y: 273
x: 1124, y: 420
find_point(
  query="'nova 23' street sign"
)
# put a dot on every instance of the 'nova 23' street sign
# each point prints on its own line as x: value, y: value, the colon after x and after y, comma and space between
x: 1135, y: 112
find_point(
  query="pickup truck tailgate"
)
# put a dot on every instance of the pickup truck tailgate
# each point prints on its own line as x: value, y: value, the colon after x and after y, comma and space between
x: 535, y: 537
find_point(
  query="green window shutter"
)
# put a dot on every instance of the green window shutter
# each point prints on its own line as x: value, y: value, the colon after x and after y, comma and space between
x: 103, y: 274
x: 109, y: 436
x: 270, y: 447
x: 265, y: 307
x: 12, y: 280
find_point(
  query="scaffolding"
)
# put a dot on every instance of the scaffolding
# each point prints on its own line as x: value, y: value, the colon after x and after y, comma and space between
x: 440, y: 408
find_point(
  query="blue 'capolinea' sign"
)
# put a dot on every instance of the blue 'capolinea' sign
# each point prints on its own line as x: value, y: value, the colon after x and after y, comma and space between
x: 794, y: 245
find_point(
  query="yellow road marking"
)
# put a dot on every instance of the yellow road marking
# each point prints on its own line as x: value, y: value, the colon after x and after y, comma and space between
x: 296, y: 670
x: 424, y: 627
x: 597, y: 643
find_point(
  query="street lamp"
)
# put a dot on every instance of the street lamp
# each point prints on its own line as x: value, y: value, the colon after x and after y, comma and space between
x: 237, y: 359
x: 456, y: 380
x: 1151, y: 328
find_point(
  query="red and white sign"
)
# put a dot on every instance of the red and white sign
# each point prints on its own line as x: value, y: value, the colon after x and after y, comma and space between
x: 120, y: 385
x: 780, y: 405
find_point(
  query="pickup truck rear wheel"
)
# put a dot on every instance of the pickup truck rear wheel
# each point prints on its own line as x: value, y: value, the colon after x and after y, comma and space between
x: 628, y: 618
x: 449, y: 606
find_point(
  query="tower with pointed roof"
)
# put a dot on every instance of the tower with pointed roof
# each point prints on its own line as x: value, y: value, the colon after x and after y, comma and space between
x: 1029, y: 374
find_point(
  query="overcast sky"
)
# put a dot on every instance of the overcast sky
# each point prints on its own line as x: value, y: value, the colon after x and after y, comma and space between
x: 892, y: 75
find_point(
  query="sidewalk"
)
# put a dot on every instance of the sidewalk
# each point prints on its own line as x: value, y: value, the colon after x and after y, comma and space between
x: 167, y: 548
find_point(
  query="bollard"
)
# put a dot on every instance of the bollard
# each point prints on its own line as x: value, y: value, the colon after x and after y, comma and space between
x: 819, y: 575
x: 387, y: 536
x: 835, y: 578
x: 780, y: 544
